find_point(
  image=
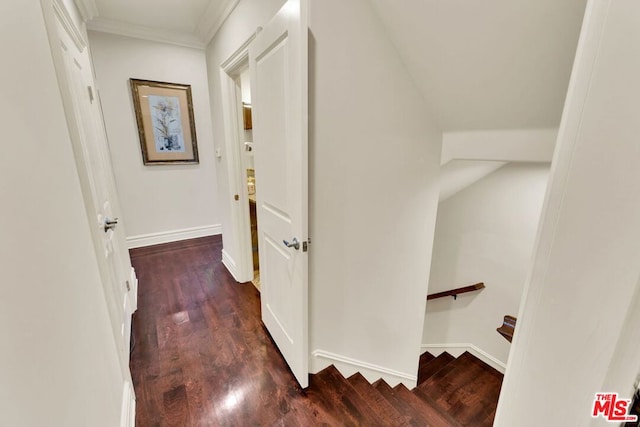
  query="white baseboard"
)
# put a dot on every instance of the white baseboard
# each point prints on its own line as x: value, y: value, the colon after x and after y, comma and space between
x: 348, y: 366
x: 173, y: 236
x: 228, y: 262
x: 128, y: 410
x: 456, y: 349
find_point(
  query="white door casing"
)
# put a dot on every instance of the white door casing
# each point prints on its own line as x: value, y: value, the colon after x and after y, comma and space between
x: 88, y: 137
x: 278, y: 67
x: 240, y: 237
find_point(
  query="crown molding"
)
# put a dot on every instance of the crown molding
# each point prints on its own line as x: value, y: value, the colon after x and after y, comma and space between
x: 141, y: 32
x: 67, y: 22
x: 216, y: 14
x: 87, y: 8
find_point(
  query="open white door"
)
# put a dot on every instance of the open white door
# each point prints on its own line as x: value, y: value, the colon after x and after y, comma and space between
x: 278, y: 66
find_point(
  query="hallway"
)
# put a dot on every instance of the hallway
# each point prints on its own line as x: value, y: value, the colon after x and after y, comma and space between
x: 201, y: 355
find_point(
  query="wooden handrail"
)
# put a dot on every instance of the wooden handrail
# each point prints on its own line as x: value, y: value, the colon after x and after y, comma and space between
x: 455, y: 292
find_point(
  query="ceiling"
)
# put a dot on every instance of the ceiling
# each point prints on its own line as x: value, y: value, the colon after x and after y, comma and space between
x: 491, y: 64
x: 173, y: 15
x: 185, y: 22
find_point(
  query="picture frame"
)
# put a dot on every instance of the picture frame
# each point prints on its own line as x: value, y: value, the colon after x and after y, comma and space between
x: 166, y: 125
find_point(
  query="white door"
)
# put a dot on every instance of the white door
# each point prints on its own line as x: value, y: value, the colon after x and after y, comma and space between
x: 278, y: 66
x: 88, y: 137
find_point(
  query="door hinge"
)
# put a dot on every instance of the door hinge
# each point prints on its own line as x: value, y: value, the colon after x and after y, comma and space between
x: 91, y: 98
x: 128, y: 286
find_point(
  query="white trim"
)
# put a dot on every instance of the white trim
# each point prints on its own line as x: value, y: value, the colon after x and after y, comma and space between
x: 505, y: 145
x: 228, y: 262
x: 128, y: 410
x: 456, y: 349
x: 173, y: 236
x: 213, y: 18
x: 348, y: 366
x: 239, y: 59
x: 87, y: 8
x: 69, y: 26
x: 177, y: 38
x: 240, y: 220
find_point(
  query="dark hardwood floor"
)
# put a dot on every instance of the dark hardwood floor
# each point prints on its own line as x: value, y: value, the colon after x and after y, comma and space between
x: 201, y: 355
x: 203, y: 358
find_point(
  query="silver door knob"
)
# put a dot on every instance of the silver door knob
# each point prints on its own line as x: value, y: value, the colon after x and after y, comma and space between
x: 110, y: 224
x: 294, y: 244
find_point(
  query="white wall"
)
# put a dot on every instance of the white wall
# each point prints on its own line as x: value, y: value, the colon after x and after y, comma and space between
x: 457, y: 175
x: 585, y: 270
x: 374, y: 158
x: 484, y: 233
x: 58, y: 364
x: 161, y: 202
x: 243, y: 22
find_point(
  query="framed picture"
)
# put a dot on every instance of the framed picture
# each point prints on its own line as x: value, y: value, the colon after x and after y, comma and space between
x: 164, y: 112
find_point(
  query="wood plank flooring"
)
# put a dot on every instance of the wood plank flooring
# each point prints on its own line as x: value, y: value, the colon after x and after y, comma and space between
x: 203, y: 358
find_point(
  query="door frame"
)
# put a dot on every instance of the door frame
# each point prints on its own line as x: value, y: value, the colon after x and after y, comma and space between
x: 240, y: 267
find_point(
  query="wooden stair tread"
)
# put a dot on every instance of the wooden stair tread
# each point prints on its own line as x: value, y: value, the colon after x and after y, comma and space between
x: 411, y: 415
x: 468, y: 405
x: 467, y: 389
x: 433, y: 366
x: 508, y: 327
x: 316, y: 392
x: 426, y: 357
x: 449, y: 367
x: 337, y: 390
x: 455, y: 392
x: 434, y: 416
x: 388, y: 414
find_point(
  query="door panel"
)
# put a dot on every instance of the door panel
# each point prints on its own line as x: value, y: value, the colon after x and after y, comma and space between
x: 89, y: 144
x: 278, y: 66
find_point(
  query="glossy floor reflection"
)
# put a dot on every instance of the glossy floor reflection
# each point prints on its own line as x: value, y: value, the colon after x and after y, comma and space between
x: 201, y: 355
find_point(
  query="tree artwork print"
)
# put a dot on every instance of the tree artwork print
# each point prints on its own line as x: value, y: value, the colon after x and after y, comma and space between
x: 167, y: 124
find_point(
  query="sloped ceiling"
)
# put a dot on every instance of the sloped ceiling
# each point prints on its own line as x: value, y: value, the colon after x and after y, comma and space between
x: 491, y: 64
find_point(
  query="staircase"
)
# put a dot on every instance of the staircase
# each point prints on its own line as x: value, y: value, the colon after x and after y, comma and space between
x: 451, y: 391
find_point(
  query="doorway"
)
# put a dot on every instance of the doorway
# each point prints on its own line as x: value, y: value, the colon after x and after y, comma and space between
x: 236, y: 96
x: 245, y: 146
